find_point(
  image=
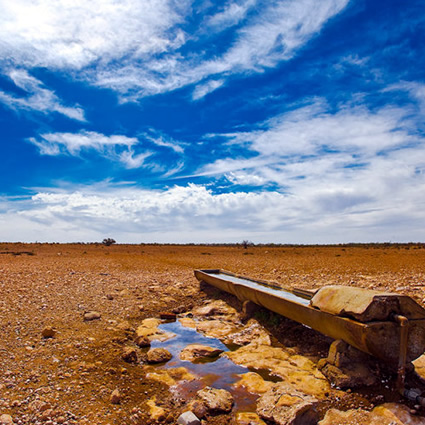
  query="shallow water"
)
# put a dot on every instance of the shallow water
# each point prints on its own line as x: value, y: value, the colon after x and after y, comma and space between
x: 281, y: 293
x: 219, y: 372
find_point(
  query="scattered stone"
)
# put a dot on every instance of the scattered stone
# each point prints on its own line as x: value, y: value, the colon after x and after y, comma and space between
x: 48, y: 332
x: 158, y: 355
x: 248, y: 418
x: 219, y: 328
x: 167, y: 316
x: 419, y: 365
x: 149, y: 329
x: 115, y: 397
x: 47, y: 414
x: 297, y: 370
x: 129, y: 355
x: 254, y: 383
x: 141, y: 307
x: 188, y: 322
x: 109, y: 297
x: 285, y: 405
x: 216, y: 308
x: 347, y: 367
x: 142, y: 341
x: 39, y: 406
x: 188, y: 418
x: 195, y: 352
x: 216, y: 401
x: 386, y: 414
x: 252, y: 332
x: 357, y: 416
x: 198, y: 408
x: 125, y: 326
x: 171, y: 376
x: 180, y: 309
x: 157, y: 413
x: 91, y: 315
x: 6, y: 420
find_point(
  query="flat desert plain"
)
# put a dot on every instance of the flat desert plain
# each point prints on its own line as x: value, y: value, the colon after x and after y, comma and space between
x: 58, y: 367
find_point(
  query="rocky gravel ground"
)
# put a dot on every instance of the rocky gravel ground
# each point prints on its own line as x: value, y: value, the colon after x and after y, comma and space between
x: 69, y: 312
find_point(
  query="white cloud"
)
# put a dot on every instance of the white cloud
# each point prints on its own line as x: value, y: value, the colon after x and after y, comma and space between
x: 415, y: 89
x: 115, y: 147
x: 232, y: 14
x: 133, y: 46
x: 60, y: 34
x: 39, y: 98
x: 160, y: 139
x: 312, y: 133
x: 342, y: 172
x: 203, y: 89
x: 132, y: 160
x: 246, y: 179
x: 272, y: 36
x: 327, y: 212
x: 278, y: 32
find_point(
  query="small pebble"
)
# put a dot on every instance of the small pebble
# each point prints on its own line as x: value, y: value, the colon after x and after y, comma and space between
x: 91, y: 315
x: 48, y: 332
x: 115, y: 397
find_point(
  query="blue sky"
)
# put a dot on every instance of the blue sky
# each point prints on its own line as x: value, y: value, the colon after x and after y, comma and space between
x: 291, y: 121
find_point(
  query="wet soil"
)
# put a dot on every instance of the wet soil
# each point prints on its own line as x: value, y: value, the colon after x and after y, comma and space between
x: 75, y: 372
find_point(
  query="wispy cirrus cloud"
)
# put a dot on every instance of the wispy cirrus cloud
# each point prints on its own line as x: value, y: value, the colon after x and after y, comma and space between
x: 116, y: 147
x: 415, y: 89
x: 313, y: 131
x: 203, y: 89
x: 164, y: 140
x: 272, y: 36
x: 39, y: 98
x: 135, y: 47
x: 232, y: 14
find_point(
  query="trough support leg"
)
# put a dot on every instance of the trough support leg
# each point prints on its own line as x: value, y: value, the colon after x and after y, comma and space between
x: 404, y: 333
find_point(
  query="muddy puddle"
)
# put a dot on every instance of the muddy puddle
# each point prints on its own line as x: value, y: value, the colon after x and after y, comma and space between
x: 219, y: 372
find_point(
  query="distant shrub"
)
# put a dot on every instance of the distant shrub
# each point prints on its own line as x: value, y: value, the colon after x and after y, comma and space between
x: 247, y: 243
x: 108, y: 241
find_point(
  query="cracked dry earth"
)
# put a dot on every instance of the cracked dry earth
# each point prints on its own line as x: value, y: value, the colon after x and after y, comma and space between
x: 69, y: 316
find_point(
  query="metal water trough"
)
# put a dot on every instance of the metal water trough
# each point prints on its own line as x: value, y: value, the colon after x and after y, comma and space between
x: 388, y: 326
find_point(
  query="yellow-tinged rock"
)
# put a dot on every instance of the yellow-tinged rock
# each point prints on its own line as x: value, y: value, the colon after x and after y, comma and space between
x: 251, y: 332
x: 248, y: 418
x: 216, y: 308
x: 194, y: 352
x: 419, y: 364
x: 188, y: 322
x: 149, y: 329
x: 216, y: 328
x: 254, y: 383
x: 172, y: 376
x: 350, y: 417
x: 396, y: 413
x: 297, y: 370
x: 386, y: 414
x: 284, y: 405
x: 157, y: 413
